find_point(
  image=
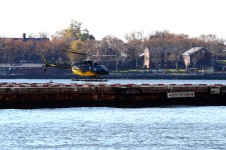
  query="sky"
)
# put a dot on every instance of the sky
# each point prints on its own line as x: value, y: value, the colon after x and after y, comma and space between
x: 114, y: 17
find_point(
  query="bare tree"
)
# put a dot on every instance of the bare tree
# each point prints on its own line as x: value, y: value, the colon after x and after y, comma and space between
x: 118, y: 48
x: 136, y: 42
x: 138, y: 35
x: 196, y: 57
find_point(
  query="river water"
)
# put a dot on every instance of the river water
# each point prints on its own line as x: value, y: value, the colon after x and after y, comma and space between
x: 113, y: 128
x: 121, y: 81
x: 175, y: 127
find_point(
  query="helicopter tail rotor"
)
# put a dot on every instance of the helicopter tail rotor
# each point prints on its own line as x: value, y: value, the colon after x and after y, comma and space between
x: 44, y: 67
x: 45, y: 63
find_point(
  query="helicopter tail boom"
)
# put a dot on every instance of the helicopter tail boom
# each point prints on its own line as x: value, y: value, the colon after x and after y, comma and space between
x: 46, y: 64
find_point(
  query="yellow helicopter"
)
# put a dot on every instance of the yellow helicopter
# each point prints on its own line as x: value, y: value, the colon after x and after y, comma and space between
x: 83, y: 69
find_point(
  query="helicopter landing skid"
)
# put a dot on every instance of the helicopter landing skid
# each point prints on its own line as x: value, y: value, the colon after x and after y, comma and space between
x: 90, y: 80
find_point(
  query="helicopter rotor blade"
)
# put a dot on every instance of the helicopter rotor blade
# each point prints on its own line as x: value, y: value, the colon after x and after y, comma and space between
x: 104, y: 55
x: 76, y: 52
x: 88, y: 54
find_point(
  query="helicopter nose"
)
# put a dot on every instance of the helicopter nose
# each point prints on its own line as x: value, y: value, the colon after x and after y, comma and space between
x: 105, y: 72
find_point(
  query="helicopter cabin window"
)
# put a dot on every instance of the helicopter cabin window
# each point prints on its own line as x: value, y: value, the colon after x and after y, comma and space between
x: 94, y: 67
x: 86, y: 68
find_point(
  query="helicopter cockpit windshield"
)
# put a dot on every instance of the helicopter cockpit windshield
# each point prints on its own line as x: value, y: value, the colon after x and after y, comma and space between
x: 104, y: 68
x: 100, y: 69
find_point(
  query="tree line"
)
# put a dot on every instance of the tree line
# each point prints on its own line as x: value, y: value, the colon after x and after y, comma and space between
x: 127, y: 54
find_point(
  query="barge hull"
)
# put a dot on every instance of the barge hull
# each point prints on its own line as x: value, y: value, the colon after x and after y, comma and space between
x: 53, y: 95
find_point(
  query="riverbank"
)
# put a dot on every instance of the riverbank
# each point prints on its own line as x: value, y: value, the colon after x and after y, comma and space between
x: 165, y: 76
x: 123, y: 76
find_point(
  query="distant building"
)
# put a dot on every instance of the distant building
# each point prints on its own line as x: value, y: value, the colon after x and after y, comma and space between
x: 154, y: 59
x: 24, y: 38
x: 199, y: 58
x: 10, y: 50
x: 21, y: 69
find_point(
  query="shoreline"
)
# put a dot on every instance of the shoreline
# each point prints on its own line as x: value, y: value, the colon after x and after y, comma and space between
x: 125, y: 76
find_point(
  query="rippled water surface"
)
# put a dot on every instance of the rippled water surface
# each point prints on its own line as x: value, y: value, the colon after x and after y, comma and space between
x: 114, y: 128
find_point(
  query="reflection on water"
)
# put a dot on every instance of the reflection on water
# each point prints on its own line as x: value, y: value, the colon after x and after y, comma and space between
x: 114, y: 128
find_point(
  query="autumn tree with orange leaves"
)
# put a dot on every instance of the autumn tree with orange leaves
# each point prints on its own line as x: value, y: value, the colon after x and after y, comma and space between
x: 128, y: 55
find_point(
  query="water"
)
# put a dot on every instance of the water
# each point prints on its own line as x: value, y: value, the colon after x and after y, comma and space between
x: 121, y: 81
x: 113, y: 128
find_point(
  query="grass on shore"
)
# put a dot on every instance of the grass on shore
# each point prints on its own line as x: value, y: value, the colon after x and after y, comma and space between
x: 165, y: 71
